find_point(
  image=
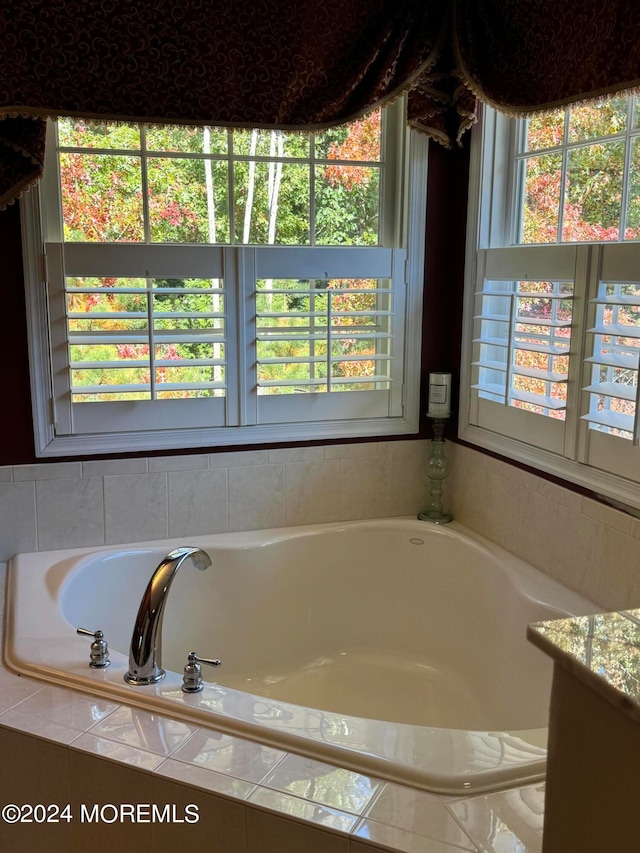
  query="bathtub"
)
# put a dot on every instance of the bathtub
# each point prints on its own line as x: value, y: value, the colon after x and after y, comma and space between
x: 393, y: 647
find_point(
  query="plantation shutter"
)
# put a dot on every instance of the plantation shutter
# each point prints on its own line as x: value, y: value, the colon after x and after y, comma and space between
x: 281, y: 353
x: 522, y: 343
x: 327, y: 330
x: 163, y: 312
x: 612, y: 362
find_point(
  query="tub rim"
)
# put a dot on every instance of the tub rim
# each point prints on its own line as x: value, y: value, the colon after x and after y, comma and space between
x: 69, y: 669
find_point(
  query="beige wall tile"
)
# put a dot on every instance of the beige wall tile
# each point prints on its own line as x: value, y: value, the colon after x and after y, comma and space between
x: 197, y: 502
x: 238, y: 458
x: 410, y: 484
x: 187, y: 462
x: 535, y: 531
x: 564, y: 497
x: 578, y: 550
x: 503, y: 511
x: 296, y: 454
x: 465, y: 492
x: 135, y: 507
x: 17, y: 519
x: 351, y: 451
x: 256, y: 497
x: 620, y: 570
x: 417, y: 447
x: 312, y: 492
x: 365, y: 487
x: 607, y: 515
x: 70, y: 513
x: 103, y: 467
x: 53, y: 471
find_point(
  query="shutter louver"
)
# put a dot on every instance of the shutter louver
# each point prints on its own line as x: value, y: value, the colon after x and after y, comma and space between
x: 145, y: 339
x: 525, y: 336
x: 318, y: 336
x: 613, y: 390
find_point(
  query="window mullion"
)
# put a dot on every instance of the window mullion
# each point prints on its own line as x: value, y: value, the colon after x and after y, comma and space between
x: 231, y: 183
x: 563, y: 175
x: 144, y: 177
x: 628, y: 141
x: 246, y: 325
x: 312, y: 189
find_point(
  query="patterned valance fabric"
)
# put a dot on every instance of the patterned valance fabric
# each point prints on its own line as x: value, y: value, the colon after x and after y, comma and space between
x: 524, y: 56
x: 302, y: 65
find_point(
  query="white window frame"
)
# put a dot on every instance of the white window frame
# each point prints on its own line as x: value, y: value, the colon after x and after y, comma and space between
x: 404, y: 263
x: 594, y: 460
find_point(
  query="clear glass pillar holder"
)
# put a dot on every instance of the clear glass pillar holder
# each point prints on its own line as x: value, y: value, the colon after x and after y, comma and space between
x: 437, y: 470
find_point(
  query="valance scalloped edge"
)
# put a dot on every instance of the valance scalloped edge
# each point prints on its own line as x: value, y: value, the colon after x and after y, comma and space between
x: 8, y: 198
x: 15, y: 111
x: 630, y: 87
x: 28, y: 181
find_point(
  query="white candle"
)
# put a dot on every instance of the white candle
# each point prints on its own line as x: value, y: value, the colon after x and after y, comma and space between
x: 439, y: 395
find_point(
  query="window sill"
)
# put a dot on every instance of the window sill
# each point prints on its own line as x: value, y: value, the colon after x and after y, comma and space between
x: 130, y: 442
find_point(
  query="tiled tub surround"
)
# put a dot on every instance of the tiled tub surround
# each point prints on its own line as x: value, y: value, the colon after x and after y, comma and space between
x: 61, y: 746
x: 309, y: 622
x: 59, y: 751
x: 76, y: 504
x: 586, y: 545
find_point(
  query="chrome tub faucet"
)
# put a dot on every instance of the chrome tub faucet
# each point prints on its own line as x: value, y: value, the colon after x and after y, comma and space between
x: 146, y: 643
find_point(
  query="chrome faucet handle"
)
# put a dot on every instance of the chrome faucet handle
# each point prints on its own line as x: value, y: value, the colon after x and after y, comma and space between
x: 192, y: 679
x: 99, y: 649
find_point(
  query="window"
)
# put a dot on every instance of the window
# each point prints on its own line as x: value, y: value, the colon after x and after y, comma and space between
x: 207, y: 287
x: 550, y: 361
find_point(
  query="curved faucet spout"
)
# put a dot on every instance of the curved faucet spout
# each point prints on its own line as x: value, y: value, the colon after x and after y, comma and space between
x: 146, y: 642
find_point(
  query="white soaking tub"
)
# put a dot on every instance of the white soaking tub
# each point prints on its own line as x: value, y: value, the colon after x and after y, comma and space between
x: 394, y: 646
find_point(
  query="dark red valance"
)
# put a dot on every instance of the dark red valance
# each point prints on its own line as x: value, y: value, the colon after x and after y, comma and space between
x: 303, y: 64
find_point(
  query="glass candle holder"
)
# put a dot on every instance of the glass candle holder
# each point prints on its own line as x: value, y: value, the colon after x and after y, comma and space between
x: 437, y: 470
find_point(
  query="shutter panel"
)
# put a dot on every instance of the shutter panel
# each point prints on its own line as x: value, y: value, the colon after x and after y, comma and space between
x: 615, y: 350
